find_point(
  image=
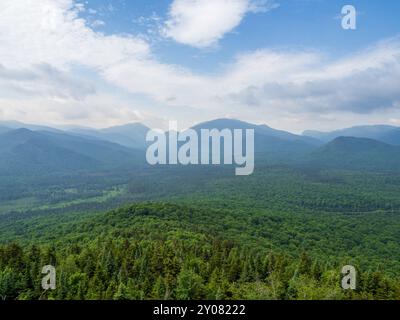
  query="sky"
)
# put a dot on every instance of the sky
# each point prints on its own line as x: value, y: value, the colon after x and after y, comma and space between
x: 285, y: 63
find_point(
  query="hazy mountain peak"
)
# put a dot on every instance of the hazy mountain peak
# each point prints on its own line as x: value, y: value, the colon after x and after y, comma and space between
x: 224, y: 123
x: 360, y: 142
x: 128, y: 126
x: 20, y: 132
x: 384, y: 133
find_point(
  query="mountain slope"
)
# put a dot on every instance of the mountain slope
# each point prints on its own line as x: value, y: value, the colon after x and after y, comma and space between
x: 356, y: 153
x: 270, y: 145
x: 383, y: 133
x: 4, y: 129
x: 131, y: 135
x: 23, y: 151
x: 20, y: 125
x: 258, y: 129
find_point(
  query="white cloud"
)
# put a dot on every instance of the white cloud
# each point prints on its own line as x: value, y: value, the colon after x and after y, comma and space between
x: 202, y: 23
x: 50, y: 31
x: 365, y: 82
x: 98, y: 23
x: 56, y: 68
x: 45, y: 81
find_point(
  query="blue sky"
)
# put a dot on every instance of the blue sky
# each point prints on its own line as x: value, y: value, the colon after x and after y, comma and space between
x: 285, y: 63
x: 294, y: 23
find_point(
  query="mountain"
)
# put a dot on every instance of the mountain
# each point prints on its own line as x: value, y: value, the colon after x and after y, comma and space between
x: 258, y: 129
x: 23, y: 151
x: 130, y: 135
x: 4, y: 129
x: 356, y: 153
x: 262, y: 130
x: 21, y: 125
x: 36, y: 150
x: 383, y: 133
x: 270, y: 145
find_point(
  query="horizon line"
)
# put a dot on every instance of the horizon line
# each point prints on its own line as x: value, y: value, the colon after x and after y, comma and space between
x: 67, y: 127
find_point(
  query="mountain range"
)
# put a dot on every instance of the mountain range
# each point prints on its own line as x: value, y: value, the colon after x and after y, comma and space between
x: 30, y: 149
x: 383, y: 133
x: 23, y: 151
x: 356, y: 153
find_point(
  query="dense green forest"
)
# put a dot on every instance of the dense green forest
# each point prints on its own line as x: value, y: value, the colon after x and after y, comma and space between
x: 282, y: 233
x: 154, y: 251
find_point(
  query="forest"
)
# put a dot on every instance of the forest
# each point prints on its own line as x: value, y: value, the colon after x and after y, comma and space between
x: 282, y: 233
x: 130, y: 254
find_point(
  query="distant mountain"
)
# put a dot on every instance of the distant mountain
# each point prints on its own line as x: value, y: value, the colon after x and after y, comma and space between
x: 258, y: 129
x: 356, y: 153
x: 383, y: 133
x: 271, y: 145
x: 130, y: 135
x: 23, y: 151
x: 21, y: 125
x: 4, y: 129
x: 36, y: 150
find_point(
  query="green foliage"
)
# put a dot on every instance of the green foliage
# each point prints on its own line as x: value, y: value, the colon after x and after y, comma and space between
x: 148, y: 251
x: 282, y: 233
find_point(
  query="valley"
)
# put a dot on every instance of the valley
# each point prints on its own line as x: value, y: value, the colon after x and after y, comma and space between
x: 123, y: 230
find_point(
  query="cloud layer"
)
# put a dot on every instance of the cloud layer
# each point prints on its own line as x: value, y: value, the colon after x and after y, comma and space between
x: 56, y: 68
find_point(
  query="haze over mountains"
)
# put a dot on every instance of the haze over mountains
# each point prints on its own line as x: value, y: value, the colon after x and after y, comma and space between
x: 25, y: 152
x: 356, y: 153
x: 130, y: 135
x: 383, y: 133
x: 30, y: 149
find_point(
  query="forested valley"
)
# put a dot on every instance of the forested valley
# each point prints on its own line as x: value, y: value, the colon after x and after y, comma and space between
x: 283, y: 233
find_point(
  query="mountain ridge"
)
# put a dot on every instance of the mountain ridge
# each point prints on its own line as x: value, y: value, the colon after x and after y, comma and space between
x: 35, y: 152
x: 356, y: 153
x: 384, y: 133
x: 112, y: 147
